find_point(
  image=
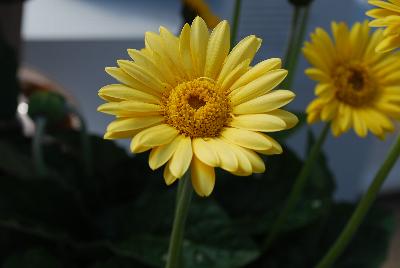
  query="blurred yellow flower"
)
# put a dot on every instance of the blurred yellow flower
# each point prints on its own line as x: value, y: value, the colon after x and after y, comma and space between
x: 357, y: 87
x: 199, y: 7
x: 194, y: 104
x: 386, y: 15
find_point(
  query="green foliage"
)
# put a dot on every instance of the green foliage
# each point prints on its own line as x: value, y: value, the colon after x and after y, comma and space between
x: 121, y: 216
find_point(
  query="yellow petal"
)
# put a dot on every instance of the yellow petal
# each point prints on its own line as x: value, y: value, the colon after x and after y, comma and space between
x: 127, y: 124
x: 149, y: 66
x: 185, y: 52
x: 203, y: 177
x: 317, y: 75
x: 258, y: 122
x: 275, y: 149
x: 120, y: 134
x: 128, y: 80
x: 168, y: 177
x: 258, y: 87
x: 152, y: 137
x: 389, y: 43
x: 268, y: 102
x: 143, y: 76
x: 290, y: 119
x: 244, y: 165
x: 129, y: 108
x: 234, y: 75
x: 257, y: 164
x: 246, y: 138
x: 161, y: 154
x: 205, y: 152
x: 198, y: 44
x: 245, y: 49
x: 217, y: 50
x: 257, y: 71
x: 385, y: 5
x: 359, y: 125
x: 119, y: 92
x: 227, y: 159
x: 182, y: 157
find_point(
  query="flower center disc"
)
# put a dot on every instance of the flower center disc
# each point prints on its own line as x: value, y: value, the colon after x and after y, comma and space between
x: 354, y: 84
x: 197, y: 108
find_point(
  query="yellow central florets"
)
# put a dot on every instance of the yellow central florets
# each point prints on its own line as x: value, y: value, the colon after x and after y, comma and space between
x: 197, y: 108
x: 354, y: 84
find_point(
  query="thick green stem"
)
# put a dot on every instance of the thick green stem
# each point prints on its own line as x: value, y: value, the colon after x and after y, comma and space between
x: 184, y: 196
x: 37, y: 153
x: 297, y: 189
x: 363, y: 206
x: 235, y: 23
x: 296, y: 42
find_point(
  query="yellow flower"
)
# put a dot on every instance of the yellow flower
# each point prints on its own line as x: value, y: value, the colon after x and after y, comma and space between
x: 199, y: 7
x: 194, y: 104
x: 386, y: 15
x: 357, y: 87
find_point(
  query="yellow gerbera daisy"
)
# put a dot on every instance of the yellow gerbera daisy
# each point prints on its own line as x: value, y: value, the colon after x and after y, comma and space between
x: 386, y: 15
x: 194, y: 104
x: 357, y: 87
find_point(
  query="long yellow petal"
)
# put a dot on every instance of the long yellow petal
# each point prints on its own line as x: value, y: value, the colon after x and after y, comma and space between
x: 257, y: 164
x: 204, y: 151
x: 276, y: 148
x: 185, y: 52
x: 258, y: 87
x: 227, y: 159
x: 257, y: 71
x: 127, y: 124
x: 143, y: 76
x: 259, y: 122
x: 119, y: 92
x: 242, y: 68
x: 129, y: 108
x: 265, y: 103
x: 182, y: 157
x: 217, y: 50
x: 161, y: 154
x: 245, y: 49
x: 198, y: 44
x: 128, y: 80
x: 168, y: 177
x: 203, y: 177
x: 246, y: 138
x: 152, y: 137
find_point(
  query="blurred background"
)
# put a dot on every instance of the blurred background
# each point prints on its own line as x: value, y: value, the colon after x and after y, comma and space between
x: 67, y: 43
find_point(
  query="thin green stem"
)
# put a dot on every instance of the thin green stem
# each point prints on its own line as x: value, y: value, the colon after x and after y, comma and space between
x: 37, y: 153
x: 292, y: 35
x: 184, y: 193
x: 362, y: 208
x: 295, y: 47
x: 297, y: 188
x: 235, y: 23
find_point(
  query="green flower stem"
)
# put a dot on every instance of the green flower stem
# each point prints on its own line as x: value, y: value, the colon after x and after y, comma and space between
x: 296, y: 41
x: 297, y: 189
x: 292, y: 35
x: 363, y: 206
x: 37, y: 153
x: 235, y: 24
x: 85, y: 142
x: 184, y: 196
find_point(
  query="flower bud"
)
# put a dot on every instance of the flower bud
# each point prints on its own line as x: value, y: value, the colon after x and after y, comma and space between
x: 49, y: 105
x: 300, y: 2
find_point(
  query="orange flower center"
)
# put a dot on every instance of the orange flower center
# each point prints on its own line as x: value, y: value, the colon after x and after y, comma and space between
x: 354, y: 85
x: 197, y: 108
